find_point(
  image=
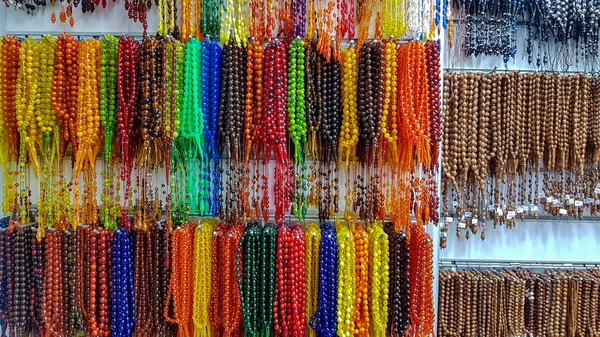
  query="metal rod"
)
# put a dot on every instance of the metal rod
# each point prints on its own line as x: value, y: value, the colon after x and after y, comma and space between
x: 533, y: 71
x: 508, y: 263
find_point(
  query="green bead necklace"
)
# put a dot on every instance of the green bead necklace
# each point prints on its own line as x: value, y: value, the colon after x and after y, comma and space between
x: 296, y: 107
x: 108, y: 113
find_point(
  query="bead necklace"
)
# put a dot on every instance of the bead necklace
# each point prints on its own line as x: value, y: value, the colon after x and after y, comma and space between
x: 180, y: 293
x: 349, y: 129
x: 297, y: 122
x: 231, y: 121
x: 389, y: 118
x: 47, y: 125
x: 8, y: 278
x: 312, y: 240
x: 313, y: 109
x: 346, y: 296
x: 89, y: 132
x: 26, y: 96
x: 432, y: 55
x: 108, y: 117
x: 141, y: 283
x: 379, y: 259
x: 137, y: 10
x: 290, y: 292
x: 274, y: 125
x: 122, y: 292
x: 64, y: 90
x: 399, y: 308
x: 38, y: 265
x: 252, y: 119
x: 168, y: 118
x: 421, y: 280
x: 202, y: 277
x: 22, y: 286
x: 211, y: 17
x: 299, y: 18
x: 364, y: 16
x: 249, y: 255
x: 127, y: 96
x: 324, y: 321
x: 360, y: 319
x: 267, y: 277
x: 217, y: 276
x: 9, y: 70
x: 232, y: 317
x: 370, y: 102
x: 53, y: 285
x: 214, y: 99
x: 159, y: 282
x: 73, y: 324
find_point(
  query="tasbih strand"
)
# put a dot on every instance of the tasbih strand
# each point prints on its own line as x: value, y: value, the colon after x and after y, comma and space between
x: 141, y: 283
x: 216, y: 288
x: 361, y: 319
x: 150, y: 152
x: 379, y: 259
x: 159, y: 282
x: 432, y: 55
x: 89, y: 132
x: 180, y: 294
x: 389, y: 114
x: 252, y: 118
x: 324, y: 320
x: 122, y: 291
x: 422, y: 314
x: 346, y: 280
x: 231, y: 305
x: 73, y: 316
x: 53, y: 285
x: 46, y: 120
x: 26, y: 96
x: 108, y: 117
x: 178, y: 195
x: 9, y: 70
x: 231, y: 121
x: 331, y: 124
x: 249, y: 255
x: 169, y: 116
x: 312, y: 239
x: 22, y: 310
x: 202, y: 277
x: 127, y: 97
x: 268, y: 277
x: 399, y: 308
x: 192, y: 125
x: 297, y: 122
x: 349, y: 129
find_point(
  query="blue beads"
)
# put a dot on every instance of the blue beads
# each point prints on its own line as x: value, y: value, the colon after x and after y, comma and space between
x: 324, y: 321
x: 123, y: 301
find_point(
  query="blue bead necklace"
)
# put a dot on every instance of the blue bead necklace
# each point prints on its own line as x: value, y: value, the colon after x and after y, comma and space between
x: 324, y: 321
x: 123, y: 301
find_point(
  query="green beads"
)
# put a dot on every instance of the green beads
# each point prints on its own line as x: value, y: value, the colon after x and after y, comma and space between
x: 296, y: 104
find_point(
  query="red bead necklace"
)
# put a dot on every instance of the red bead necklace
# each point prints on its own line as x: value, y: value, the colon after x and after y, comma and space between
x: 126, y: 94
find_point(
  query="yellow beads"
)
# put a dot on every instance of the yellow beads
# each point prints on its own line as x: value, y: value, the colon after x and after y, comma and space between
x: 346, y: 281
x: 394, y: 18
x: 389, y: 116
x: 349, y: 129
x: 27, y: 89
x: 312, y: 240
x: 202, y: 276
x: 46, y: 118
x: 379, y: 259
